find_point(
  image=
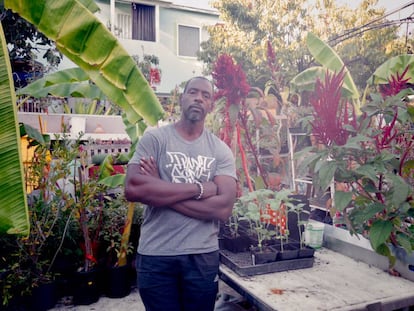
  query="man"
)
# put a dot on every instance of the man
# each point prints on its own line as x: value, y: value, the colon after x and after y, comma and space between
x: 187, y: 178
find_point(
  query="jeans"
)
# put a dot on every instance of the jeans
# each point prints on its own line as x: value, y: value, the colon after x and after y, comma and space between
x: 178, y: 283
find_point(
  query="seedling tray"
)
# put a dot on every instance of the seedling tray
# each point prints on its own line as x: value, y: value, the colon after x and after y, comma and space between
x: 241, y: 263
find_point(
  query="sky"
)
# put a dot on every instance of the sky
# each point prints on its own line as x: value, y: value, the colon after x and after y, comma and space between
x: 389, y: 5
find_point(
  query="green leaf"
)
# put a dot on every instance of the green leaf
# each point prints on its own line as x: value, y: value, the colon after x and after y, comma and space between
x: 72, y: 89
x: 342, y: 199
x: 113, y: 181
x: 326, y: 174
x: 405, y: 242
x: 379, y: 233
x: 384, y: 250
x: 361, y: 215
x: 367, y: 171
x: 392, y: 66
x: 14, y: 217
x: 34, y: 133
x: 400, y: 189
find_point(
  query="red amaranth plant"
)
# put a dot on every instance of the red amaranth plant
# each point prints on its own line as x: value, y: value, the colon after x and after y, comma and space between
x: 232, y: 85
x: 330, y: 113
x: 372, y: 169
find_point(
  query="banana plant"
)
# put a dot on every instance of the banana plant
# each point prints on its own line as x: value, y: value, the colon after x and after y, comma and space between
x: 77, y: 33
x: 73, y: 82
x: 14, y: 218
x: 329, y: 60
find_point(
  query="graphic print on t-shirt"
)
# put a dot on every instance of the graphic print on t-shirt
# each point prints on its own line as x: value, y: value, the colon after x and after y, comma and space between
x: 186, y: 169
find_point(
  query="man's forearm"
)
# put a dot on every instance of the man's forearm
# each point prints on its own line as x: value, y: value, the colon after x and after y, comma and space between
x: 149, y: 189
x: 212, y: 208
x: 156, y: 192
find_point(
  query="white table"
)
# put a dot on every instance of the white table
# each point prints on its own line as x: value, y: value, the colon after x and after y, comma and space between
x: 335, y: 282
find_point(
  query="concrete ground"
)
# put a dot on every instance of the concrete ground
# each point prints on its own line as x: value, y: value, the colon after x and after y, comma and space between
x: 227, y: 300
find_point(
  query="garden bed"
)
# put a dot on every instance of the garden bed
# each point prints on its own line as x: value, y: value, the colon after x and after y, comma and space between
x: 241, y: 263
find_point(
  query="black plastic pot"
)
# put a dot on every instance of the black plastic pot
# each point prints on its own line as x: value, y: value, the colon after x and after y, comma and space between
x: 86, y: 287
x: 236, y: 244
x: 306, y: 252
x: 263, y: 256
x: 44, y: 297
x: 290, y: 251
x: 118, y: 281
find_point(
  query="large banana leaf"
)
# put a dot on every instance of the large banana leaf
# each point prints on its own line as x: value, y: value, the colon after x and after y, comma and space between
x: 305, y: 81
x: 328, y: 58
x: 393, y: 66
x: 88, y: 43
x: 73, y: 82
x: 13, y: 204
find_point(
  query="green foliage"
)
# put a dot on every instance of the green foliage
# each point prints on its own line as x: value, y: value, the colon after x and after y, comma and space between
x: 247, y: 26
x: 375, y: 190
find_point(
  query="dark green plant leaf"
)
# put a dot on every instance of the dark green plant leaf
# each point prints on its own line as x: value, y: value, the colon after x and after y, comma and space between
x: 367, y: 171
x: 379, y: 233
x: 326, y: 174
x: 361, y: 215
x: 405, y: 242
x: 400, y: 189
x: 342, y: 199
x: 384, y: 250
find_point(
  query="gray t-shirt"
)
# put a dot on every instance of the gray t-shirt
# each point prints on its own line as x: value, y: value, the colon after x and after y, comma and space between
x: 165, y: 231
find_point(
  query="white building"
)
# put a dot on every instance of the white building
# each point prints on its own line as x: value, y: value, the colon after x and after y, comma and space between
x: 170, y: 30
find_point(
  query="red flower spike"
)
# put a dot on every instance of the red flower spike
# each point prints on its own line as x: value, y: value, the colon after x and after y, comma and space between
x: 395, y: 84
x: 230, y: 80
x: 330, y: 112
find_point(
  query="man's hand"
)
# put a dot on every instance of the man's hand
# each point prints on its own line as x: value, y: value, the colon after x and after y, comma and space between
x: 149, y: 167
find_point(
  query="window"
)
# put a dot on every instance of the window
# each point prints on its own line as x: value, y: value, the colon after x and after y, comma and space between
x: 143, y: 22
x: 124, y: 26
x: 188, y: 41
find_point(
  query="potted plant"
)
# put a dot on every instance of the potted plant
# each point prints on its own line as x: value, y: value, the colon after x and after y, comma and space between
x: 289, y: 214
x: 119, y: 278
x: 30, y: 261
x: 298, y: 211
x: 261, y: 231
x: 234, y: 236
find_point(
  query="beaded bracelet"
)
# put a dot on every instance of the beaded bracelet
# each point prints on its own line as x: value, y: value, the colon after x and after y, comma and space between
x: 201, y: 188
